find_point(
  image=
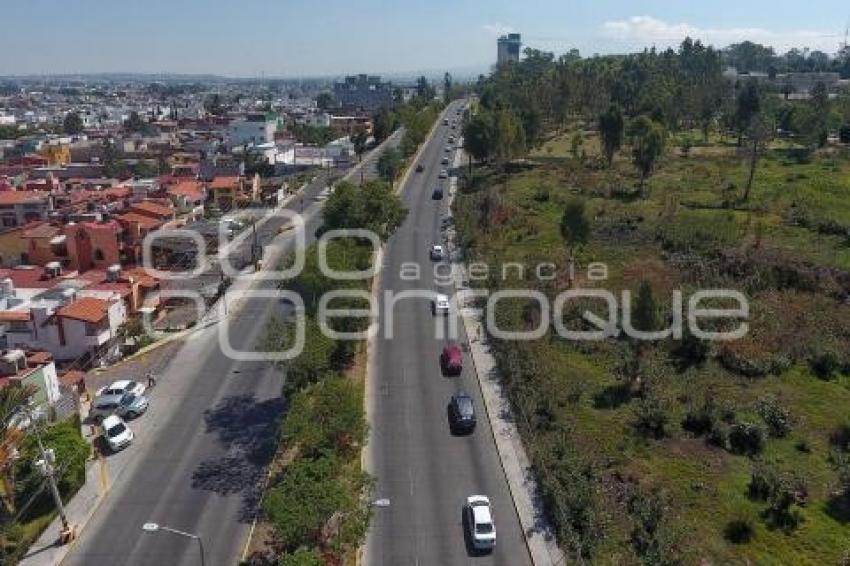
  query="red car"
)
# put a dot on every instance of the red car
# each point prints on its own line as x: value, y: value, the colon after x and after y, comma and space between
x: 451, y: 360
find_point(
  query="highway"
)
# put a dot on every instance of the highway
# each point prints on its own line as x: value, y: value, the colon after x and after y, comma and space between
x: 201, y: 450
x: 424, y: 471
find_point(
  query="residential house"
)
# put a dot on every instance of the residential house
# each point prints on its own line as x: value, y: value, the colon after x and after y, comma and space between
x: 18, y: 208
x: 31, y: 368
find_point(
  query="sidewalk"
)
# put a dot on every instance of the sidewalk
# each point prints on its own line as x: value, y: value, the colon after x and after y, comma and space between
x: 539, y: 536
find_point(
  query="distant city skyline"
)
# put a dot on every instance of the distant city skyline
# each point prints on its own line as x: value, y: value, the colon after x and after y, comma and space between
x: 271, y: 38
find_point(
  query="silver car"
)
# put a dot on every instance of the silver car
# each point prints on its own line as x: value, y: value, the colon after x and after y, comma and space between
x: 128, y: 405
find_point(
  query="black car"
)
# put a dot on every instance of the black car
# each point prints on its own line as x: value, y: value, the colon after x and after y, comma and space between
x: 419, y: 168
x: 461, y: 413
x: 437, y: 194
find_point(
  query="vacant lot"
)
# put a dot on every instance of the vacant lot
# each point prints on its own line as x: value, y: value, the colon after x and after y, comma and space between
x: 684, y: 450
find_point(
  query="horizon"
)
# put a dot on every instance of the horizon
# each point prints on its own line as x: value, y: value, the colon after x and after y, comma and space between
x: 295, y: 42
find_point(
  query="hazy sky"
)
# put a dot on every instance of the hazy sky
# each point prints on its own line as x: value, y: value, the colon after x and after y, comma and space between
x: 328, y: 37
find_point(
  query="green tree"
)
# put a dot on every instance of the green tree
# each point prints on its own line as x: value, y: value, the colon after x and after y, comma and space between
x: 447, y: 86
x: 611, y: 132
x: 759, y: 135
x: 325, y: 101
x: 747, y: 107
x: 72, y: 124
x: 424, y: 91
x: 374, y: 206
x: 575, y: 229
x: 510, y: 136
x: 647, y: 139
x: 479, y: 137
x: 134, y: 123
x: 645, y: 317
x: 389, y: 164
x: 383, y: 124
x: 359, y: 137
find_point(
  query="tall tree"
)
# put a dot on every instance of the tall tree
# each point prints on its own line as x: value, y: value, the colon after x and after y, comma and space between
x: 359, y: 137
x: 389, y: 164
x: 72, y: 124
x: 134, y: 123
x: 747, y: 106
x: 647, y: 139
x: 12, y: 398
x: 478, y: 136
x: 758, y: 136
x: 611, y: 132
x: 383, y: 124
x: 575, y: 229
x: 447, y: 86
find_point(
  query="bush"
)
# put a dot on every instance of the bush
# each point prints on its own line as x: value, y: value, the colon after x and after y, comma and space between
x: 650, y: 417
x: 739, y: 531
x: 824, y: 363
x: 302, y: 557
x: 774, y: 415
x: 746, y: 438
x: 764, y: 480
x: 700, y: 420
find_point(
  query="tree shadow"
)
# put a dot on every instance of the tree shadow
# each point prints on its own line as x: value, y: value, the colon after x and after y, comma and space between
x: 612, y: 396
x: 838, y: 507
x: 248, y: 430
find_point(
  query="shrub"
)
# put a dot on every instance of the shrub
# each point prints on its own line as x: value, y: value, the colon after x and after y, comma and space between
x: 824, y: 363
x: 739, y: 531
x: 746, y: 438
x: 774, y: 415
x: 701, y: 420
x: 840, y: 437
x: 764, y: 480
x: 650, y: 417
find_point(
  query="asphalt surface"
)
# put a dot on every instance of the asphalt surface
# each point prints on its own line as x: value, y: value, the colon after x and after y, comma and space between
x: 425, y: 471
x: 202, y: 448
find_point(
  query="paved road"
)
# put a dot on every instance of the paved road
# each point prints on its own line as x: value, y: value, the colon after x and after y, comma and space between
x: 201, y: 449
x: 423, y: 470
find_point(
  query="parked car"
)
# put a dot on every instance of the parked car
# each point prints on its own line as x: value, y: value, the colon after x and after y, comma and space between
x: 479, y: 521
x: 451, y: 360
x: 437, y: 253
x: 440, y: 305
x: 128, y: 405
x: 116, y: 432
x: 133, y: 405
x: 444, y: 174
x: 121, y: 387
x: 437, y: 194
x: 419, y: 167
x: 444, y: 160
x: 461, y: 414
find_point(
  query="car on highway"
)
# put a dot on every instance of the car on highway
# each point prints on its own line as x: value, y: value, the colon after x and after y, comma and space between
x: 445, y: 121
x: 444, y: 174
x: 451, y: 360
x: 478, y: 517
x: 461, y: 414
x: 116, y: 432
x: 121, y: 387
x: 437, y: 194
x: 448, y: 149
x: 440, y: 305
x: 419, y: 167
x: 128, y: 405
x: 451, y: 139
x: 444, y: 160
x: 437, y: 252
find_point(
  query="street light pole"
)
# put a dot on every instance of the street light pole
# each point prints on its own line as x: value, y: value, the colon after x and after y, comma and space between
x: 154, y: 527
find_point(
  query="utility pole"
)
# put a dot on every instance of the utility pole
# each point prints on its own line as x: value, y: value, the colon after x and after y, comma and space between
x: 47, y: 466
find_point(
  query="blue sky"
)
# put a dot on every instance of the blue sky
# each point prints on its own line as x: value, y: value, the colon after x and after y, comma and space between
x: 329, y: 37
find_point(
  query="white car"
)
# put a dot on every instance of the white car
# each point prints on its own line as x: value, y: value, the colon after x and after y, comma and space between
x: 437, y: 252
x: 440, y: 305
x: 444, y: 160
x: 116, y: 432
x: 121, y: 387
x: 479, y: 521
x: 444, y: 174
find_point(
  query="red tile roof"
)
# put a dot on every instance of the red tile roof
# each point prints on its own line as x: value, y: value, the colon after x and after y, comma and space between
x: 152, y: 208
x: 224, y: 183
x: 140, y: 219
x: 87, y: 309
x: 14, y: 316
x: 43, y: 230
x: 190, y: 189
x: 20, y: 197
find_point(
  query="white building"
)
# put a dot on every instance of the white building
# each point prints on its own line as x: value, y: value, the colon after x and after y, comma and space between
x: 254, y: 129
x: 62, y: 320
